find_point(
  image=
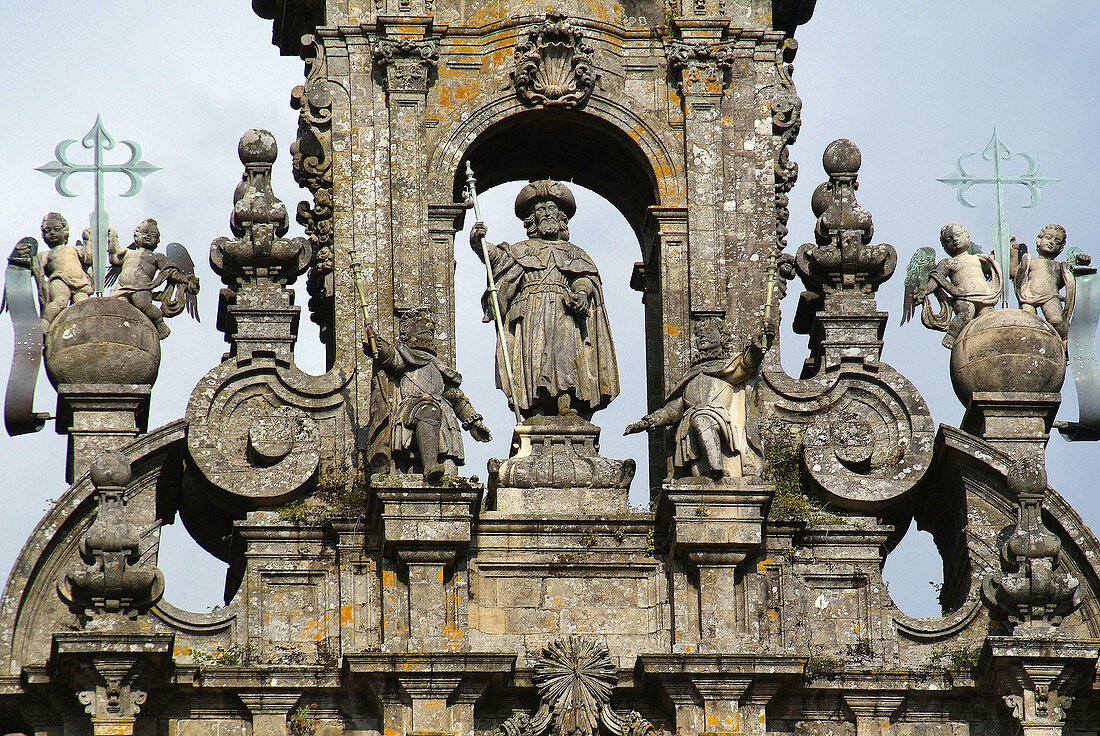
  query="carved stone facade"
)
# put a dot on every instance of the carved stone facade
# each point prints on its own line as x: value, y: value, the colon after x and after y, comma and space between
x: 406, y: 598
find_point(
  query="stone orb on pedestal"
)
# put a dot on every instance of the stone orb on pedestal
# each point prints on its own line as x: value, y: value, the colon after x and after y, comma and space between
x: 1007, y: 350
x: 102, y: 340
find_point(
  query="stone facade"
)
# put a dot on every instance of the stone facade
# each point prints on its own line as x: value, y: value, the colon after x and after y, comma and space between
x: 748, y: 600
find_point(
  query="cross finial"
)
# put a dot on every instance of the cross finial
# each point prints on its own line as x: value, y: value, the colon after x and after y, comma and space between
x: 997, y: 153
x: 98, y: 140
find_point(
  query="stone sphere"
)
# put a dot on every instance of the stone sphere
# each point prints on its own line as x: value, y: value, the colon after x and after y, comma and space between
x: 821, y: 199
x: 111, y: 468
x: 1007, y: 350
x: 102, y: 340
x: 257, y: 146
x: 842, y: 157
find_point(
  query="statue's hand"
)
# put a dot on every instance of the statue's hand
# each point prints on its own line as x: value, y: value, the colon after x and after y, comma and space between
x: 480, y: 432
x: 577, y: 303
x: 477, y: 232
x: 641, y: 425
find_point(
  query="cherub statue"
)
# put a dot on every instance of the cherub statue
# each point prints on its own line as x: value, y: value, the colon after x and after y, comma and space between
x: 139, y: 269
x: 418, y: 411
x: 708, y: 404
x: 965, y: 284
x: 62, y: 271
x: 1040, y: 280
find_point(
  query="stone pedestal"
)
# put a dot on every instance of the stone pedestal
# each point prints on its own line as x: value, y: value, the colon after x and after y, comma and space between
x: 261, y: 320
x: 1017, y: 422
x: 99, y: 417
x: 710, y: 528
x: 424, y: 530
x: 556, y: 465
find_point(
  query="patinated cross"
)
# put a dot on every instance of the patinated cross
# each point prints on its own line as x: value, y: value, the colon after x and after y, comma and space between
x: 962, y: 180
x: 98, y: 140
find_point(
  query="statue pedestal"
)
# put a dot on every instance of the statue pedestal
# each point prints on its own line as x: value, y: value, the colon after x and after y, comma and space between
x: 555, y: 465
x: 1015, y: 421
x: 99, y: 417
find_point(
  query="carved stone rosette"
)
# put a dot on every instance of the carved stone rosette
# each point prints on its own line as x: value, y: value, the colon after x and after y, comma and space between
x: 575, y: 676
x: 406, y: 62
x: 1029, y: 592
x: 554, y: 66
x: 311, y: 155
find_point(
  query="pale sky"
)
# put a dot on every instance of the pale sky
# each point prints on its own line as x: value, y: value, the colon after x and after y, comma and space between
x: 913, y: 83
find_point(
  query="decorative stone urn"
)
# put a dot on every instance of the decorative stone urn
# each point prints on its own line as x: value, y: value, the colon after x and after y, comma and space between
x: 1007, y: 350
x: 100, y: 341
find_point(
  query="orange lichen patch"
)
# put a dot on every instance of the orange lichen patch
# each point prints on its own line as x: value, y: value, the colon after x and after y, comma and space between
x: 389, y: 731
x: 765, y: 565
x: 488, y: 12
x: 672, y: 330
x: 452, y: 631
x: 181, y: 651
x: 347, y: 614
x: 388, y: 578
x: 772, y: 614
x: 114, y: 729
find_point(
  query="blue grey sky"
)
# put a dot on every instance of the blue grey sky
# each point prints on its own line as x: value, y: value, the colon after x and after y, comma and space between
x: 912, y: 83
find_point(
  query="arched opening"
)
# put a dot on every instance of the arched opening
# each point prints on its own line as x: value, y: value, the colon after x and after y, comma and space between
x: 914, y: 574
x: 615, y: 183
x: 566, y: 145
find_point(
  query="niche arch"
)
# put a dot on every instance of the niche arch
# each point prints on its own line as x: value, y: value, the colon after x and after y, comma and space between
x: 612, y: 151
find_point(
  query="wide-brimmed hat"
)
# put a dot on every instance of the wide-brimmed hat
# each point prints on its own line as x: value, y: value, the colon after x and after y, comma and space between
x: 538, y: 191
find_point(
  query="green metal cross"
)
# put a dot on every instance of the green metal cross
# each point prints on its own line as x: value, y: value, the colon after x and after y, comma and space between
x: 961, y: 179
x: 99, y: 141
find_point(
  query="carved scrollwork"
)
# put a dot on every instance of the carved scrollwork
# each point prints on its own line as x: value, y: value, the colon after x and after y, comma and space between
x: 866, y: 438
x: 554, y: 66
x: 312, y: 167
x: 786, y: 109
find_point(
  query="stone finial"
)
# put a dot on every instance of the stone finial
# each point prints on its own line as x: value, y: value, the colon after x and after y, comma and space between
x: 842, y: 259
x: 1030, y: 593
x: 259, y: 220
x: 111, y: 579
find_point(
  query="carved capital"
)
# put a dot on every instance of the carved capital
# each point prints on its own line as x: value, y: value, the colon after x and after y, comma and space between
x: 1037, y: 679
x: 406, y: 62
x: 700, y: 68
x: 554, y: 66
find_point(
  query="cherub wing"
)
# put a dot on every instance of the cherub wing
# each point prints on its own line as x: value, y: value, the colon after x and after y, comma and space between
x: 974, y: 249
x: 181, y: 259
x: 112, y: 274
x: 917, y: 274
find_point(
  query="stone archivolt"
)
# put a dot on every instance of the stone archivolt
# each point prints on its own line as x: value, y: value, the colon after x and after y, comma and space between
x: 749, y: 599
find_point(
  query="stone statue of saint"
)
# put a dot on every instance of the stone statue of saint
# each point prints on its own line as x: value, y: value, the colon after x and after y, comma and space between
x: 418, y: 411
x: 552, y: 304
x: 709, y: 405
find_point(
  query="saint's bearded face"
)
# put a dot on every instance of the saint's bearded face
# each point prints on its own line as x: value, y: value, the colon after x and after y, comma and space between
x: 548, y: 219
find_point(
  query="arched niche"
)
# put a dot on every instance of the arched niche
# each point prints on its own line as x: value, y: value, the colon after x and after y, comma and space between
x: 567, y: 145
x: 610, y: 150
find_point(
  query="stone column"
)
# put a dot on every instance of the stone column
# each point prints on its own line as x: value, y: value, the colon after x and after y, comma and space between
x: 874, y: 712
x: 701, y: 62
x: 406, y: 54
x: 443, y: 222
x: 111, y: 674
x: 269, y: 709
